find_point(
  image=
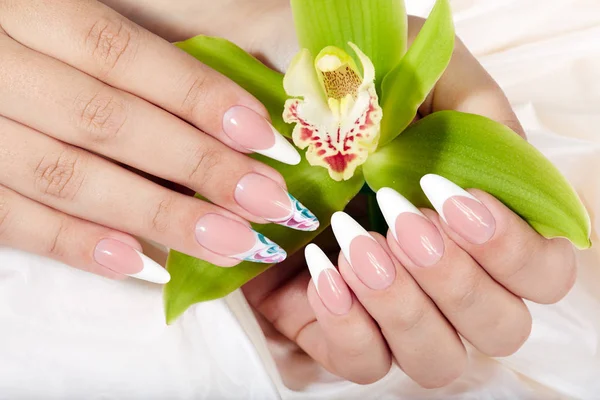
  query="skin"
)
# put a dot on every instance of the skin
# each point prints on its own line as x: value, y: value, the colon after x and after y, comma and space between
x: 416, y: 321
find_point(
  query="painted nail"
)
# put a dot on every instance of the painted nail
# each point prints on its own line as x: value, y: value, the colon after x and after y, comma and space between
x: 368, y: 259
x: 124, y: 259
x: 263, y: 197
x: 416, y: 235
x: 256, y: 134
x: 329, y: 283
x: 231, y: 238
x: 462, y: 211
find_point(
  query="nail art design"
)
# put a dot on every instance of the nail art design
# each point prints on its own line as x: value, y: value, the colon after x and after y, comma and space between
x: 263, y: 197
x: 414, y: 232
x: 264, y: 251
x: 301, y: 218
x: 124, y: 259
x: 231, y: 238
x: 369, y: 260
x: 256, y: 134
x: 330, y: 286
x: 462, y: 211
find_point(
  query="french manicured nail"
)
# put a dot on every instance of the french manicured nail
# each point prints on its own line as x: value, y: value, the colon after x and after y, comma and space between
x: 368, y: 259
x: 231, y: 238
x: 252, y: 131
x: 119, y: 257
x: 329, y: 283
x: 416, y: 235
x: 263, y: 197
x: 464, y: 213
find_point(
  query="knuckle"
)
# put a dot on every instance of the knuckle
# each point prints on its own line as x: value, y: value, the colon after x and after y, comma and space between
x: 101, y: 116
x: 566, y: 263
x: 515, y: 335
x: 160, y: 215
x: 109, y: 40
x: 4, y: 210
x: 56, y: 247
x: 61, y: 175
x: 465, y: 293
x: 407, y: 317
x: 196, y: 91
x: 202, y: 167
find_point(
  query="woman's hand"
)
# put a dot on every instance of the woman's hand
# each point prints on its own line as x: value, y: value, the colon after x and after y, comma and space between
x: 89, y: 96
x: 462, y: 271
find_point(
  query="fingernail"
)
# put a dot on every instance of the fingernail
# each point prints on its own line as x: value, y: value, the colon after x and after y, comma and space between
x: 124, y: 259
x: 416, y: 235
x: 252, y: 131
x: 263, y: 197
x: 329, y: 283
x: 233, y: 239
x: 464, y: 213
x: 368, y: 259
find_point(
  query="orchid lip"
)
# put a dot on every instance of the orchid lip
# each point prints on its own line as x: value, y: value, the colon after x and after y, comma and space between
x: 335, y: 108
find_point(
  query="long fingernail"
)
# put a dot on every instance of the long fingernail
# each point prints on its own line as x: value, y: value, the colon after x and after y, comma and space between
x: 368, y: 259
x: 416, y: 235
x: 233, y: 239
x: 464, y: 213
x: 329, y: 283
x: 124, y: 259
x: 255, y: 133
x: 263, y: 197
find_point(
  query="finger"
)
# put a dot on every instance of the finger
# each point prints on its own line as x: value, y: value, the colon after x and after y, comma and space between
x: 100, y: 42
x: 490, y: 317
x: 86, y: 186
x: 513, y: 253
x: 355, y: 349
x: 35, y: 228
x: 424, y: 343
x: 467, y: 87
x: 91, y: 115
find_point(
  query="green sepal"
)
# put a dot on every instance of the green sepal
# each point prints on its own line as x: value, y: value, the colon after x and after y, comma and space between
x: 194, y: 280
x: 407, y: 86
x: 248, y: 72
x: 476, y: 152
x: 377, y: 27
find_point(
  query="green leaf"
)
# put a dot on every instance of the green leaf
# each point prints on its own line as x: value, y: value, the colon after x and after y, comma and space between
x: 194, y: 280
x: 377, y: 27
x: 248, y: 72
x: 405, y: 88
x: 476, y: 152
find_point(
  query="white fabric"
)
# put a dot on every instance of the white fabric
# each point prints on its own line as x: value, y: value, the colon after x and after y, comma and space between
x: 68, y: 335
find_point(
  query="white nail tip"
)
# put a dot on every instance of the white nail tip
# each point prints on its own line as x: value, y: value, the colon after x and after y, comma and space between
x: 151, y: 271
x: 317, y: 261
x: 282, y: 150
x: 439, y: 189
x: 392, y: 204
x: 345, y: 229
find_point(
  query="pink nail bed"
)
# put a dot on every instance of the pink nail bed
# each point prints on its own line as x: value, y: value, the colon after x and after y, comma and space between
x: 247, y: 128
x: 419, y: 238
x: 118, y: 256
x: 470, y: 219
x: 263, y: 197
x: 333, y: 292
x: 371, y: 263
x: 231, y: 238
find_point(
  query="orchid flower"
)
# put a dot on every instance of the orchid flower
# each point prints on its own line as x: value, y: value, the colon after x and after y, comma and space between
x: 349, y: 98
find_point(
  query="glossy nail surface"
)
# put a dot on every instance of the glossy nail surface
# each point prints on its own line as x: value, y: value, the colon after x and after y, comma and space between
x: 263, y: 197
x: 252, y: 131
x: 368, y: 259
x: 464, y: 213
x: 416, y: 235
x: 331, y: 288
x: 231, y: 238
x: 124, y: 259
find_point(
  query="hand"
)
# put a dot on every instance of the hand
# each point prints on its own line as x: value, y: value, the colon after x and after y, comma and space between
x: 89, y: 96
x: 461, y: 272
